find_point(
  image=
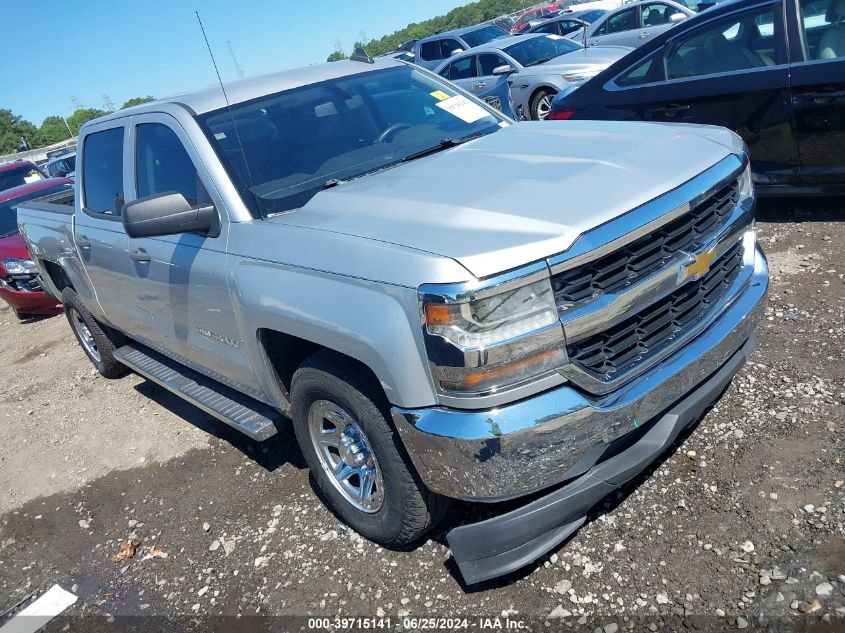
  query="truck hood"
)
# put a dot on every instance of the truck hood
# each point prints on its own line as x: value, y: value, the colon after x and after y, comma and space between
x: 518, y: 195
x: 594, y: 57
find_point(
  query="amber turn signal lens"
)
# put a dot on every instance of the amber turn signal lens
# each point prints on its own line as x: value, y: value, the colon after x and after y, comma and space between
x: 438, y: 314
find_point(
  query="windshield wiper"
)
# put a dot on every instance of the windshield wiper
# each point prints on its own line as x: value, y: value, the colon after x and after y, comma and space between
x: 541, y: 61
x: 445, y: 143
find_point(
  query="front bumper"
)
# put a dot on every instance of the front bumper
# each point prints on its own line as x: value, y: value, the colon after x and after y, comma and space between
x: 521, y: 448
x: 594, y: 444
x: 26, y: 302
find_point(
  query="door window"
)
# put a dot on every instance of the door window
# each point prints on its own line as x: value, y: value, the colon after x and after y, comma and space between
x: 444, y: 72
x: 488, y: 62
x: 162, y: 164
x: 657, y: 14
x: 447, y: 47
x: 102, y: 177
x: 725, y: 46
x: 463, y: 68
x: 430, y: 51
x: 623, y: 21
x: 549, y: 27
x: 823, y: 22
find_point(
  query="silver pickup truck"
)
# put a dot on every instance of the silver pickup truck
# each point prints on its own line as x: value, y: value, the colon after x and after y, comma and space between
x: 444, y: 304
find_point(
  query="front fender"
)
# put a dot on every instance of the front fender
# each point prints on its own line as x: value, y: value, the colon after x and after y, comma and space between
x: 372, y: 322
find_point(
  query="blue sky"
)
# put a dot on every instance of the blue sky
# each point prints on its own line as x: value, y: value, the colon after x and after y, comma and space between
x: 90, y: 48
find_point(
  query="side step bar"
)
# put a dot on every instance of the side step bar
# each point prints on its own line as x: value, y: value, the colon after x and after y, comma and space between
x: 246, y: 414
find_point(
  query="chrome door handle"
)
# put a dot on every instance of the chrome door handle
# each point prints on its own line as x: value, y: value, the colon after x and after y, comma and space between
x: 82, y: 241
x: 643, y: 35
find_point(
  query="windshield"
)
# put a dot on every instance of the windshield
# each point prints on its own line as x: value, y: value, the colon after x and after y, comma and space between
x: 17, y: 176
x: 296, y: 142
x: 9, y: 215
x: 482, y: 36
x: 538, y: 50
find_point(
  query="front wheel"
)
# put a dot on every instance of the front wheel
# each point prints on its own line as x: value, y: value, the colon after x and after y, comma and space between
x: 541, y: 104
x: 341, y: 424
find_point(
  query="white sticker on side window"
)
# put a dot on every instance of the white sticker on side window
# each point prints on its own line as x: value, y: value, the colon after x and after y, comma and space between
x: 462, y: 108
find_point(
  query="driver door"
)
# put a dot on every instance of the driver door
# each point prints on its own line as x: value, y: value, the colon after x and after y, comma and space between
x: 618, y: 29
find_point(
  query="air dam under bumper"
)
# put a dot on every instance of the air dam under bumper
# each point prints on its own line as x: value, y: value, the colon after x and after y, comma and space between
x: 589, y: 434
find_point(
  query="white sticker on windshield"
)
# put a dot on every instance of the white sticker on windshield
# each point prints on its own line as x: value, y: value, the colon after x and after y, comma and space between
x: 554, y: 36
x: 463, y: 108
x: 220, y: 136
x: 31, y: 178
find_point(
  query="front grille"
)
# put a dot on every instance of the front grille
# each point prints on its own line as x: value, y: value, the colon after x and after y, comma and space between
x: 644, y: 256
x: 615, y: 351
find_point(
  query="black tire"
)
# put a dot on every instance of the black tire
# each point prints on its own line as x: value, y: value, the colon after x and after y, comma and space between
x: 408, y: 509
x: 106, y: 340
x: 536, y: 102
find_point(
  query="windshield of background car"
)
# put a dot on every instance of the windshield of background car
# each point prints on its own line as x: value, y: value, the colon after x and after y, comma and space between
x: 9, y: 214
x: 283, y: 148
x: 538, y: 50
x: 17, y: 176
x: 481, y: 36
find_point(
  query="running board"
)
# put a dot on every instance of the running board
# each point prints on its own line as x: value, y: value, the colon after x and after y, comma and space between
x: 246, y: 414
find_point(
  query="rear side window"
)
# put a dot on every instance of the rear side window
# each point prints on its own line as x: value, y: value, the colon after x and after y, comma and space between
x: 733, y: 44
x: 430, y: 50
x: 102, y: 177
x: 640, y: 74
x: 622, y: 21
x: 463, y: 68
x: 162, y: 164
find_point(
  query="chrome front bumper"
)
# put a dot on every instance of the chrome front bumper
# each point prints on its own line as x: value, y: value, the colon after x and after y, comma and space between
x: 524, y: 447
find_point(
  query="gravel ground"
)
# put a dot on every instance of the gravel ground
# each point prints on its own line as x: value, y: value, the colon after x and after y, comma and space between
x: 740, y: 526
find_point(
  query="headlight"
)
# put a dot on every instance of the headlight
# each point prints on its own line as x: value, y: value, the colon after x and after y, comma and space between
x: 498, y: 335
x: 746, y: 186
x: 15, y: 266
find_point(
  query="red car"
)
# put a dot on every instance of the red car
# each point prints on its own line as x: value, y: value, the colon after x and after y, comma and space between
x: 21, y: 172
x: 522, y: 23
x: 19, y: 285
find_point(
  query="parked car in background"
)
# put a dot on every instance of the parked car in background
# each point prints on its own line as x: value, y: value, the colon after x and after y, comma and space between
x: 536, y: 66
x: 569, y: 23
x: 774, y: 72
x: 634, y: 24
x: 445, y: 304
x: 474, y: 73
x: 19, y: 285
x: 430, y: 52
x: 62, y: 167
x: 21, y: 172
x: 523, y: 22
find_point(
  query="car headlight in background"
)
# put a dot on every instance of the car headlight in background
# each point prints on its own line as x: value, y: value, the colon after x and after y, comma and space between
x: 498, y: 335
x: 746, y: 186
x: 15, y: 266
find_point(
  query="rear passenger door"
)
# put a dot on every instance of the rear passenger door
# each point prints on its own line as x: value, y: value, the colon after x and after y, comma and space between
x: 463, y: 73
x: 818, y: 90
x: 180, y: 284
x: 99, y: 237
x: 618, y: 29
x: 729, y: 71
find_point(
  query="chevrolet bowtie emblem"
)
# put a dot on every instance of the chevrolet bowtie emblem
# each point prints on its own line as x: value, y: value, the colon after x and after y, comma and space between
x: 697, y: 266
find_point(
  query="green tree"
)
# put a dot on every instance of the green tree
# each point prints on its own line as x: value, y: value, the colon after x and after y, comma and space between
x: 12, y: 128
x: 81, y: 116
x: 52, y: 130
x: 137, y: 101
x: 467, y: 15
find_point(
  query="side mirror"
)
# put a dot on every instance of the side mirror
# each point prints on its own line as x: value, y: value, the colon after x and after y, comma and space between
x: 456, y: 51
x: 58, y: 173
x: 504, y: 69
x: 168, y: 214
x: 677, y: 17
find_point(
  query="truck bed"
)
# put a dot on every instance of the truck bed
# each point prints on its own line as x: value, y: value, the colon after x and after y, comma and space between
x: 61, y: 202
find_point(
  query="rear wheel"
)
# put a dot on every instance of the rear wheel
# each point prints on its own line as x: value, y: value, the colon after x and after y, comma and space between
x: 341, y: 422
x: 93, y: 338
x: 541, y: 104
